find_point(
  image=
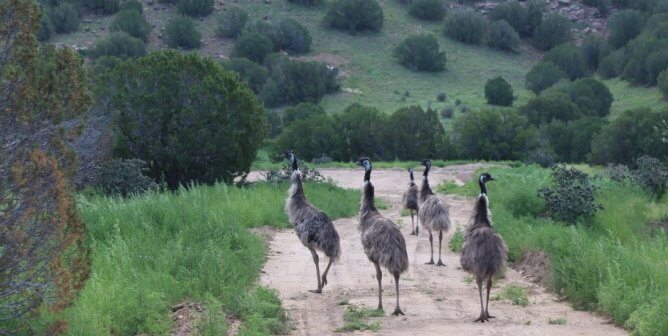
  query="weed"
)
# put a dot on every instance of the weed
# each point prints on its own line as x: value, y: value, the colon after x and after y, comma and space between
x: 356, y: 317
x: 457, y: 241
x: 517, y: 295
x: 557, y: 321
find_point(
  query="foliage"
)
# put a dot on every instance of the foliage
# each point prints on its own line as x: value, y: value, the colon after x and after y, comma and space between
x: 513, y: 13
x: 569, y: 59
x: 354, y: 15
x: 571, y: 140
x: 118, y: 44
x: 301, y: 111
x: 652, y: 175
x: 181, y: 32
x: 252, y: 73
x: 548, y: 107
x: 195, y: 8
x: 355, y: 318
x: 132, y: 5
x: 663, y: 82
x: 592, y: 96
x: 613, y: 64
x: 190, y: 120
x: 500, y: 35
x: 646, y: 58
x: 311, y: 138
x: 553, y: 31
x: 499, y: 92
x: 594, y: 49
x: 457, y: 241
x: 106, y: 6
x: 465, y: 26
x: 571, y: 196
x: 542, y: 76
x: 131, y: 22
x: 46, y: 28
x: 231, y: 22
x: 124, y: 178
x: 284, y: 174
x: 307, y: 2
x: 65, y: 18
x: 416, y: 134
x: 295, y: 38
x: 253, y: 46
x: 431, y: 10
x: 420, y: 53
x: 624, y: 26
x: 517, y: 295
x: 534, y: 15
x: 364, y: 130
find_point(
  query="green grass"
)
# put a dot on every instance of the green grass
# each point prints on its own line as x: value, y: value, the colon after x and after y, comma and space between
x: 155, y: 251
x: 517, y: 295
x: 557, y: 321
x: 356, y: 318
x: 457, y: 241
x: 629, y: 97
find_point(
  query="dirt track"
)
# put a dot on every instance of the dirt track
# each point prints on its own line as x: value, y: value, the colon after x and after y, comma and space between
x: 436, y: 300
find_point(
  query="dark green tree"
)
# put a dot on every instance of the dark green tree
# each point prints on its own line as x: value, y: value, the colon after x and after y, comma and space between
x: 500, y: 35
x: 499, y: 92
x: 181, y: 32
x: 542, y: 76
x: 131, y: 22
x: 624, y: 26
x: 420, y: 53
x: 301, y: 111
x: 465, y: 26
x: 312, y: 138
x: 569, y: 59
x: 364, y: 133
x: 553, y: 31
x: 354, y: 15
x: 431, y: 10
x: 195, y: 8
x: 118, y: 44
x: 553, y: 106
x: 416, y: 134
x: 231, y: 22
x: 253, y: 46
x: 252, y: 73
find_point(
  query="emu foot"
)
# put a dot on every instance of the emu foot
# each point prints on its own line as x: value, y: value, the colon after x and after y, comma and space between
x: 316, y: 291
x: 413, y: 233
x: 324, y: 281
x: 440, y: 263
x: 430, y: 262
x: 489, y: 316
x: 397, y: 312
x: 482, y: 318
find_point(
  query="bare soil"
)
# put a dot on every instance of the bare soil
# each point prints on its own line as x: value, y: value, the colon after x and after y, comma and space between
x: 436, y: 300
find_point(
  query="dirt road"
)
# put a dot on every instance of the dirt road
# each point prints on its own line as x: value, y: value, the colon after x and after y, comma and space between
x: 436, y: 300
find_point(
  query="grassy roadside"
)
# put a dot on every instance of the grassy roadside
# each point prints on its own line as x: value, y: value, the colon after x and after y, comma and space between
x: 617, y: 266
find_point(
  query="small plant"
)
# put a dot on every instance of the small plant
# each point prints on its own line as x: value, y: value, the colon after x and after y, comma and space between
x: 119, y: 44
x: 468, y: 279
x: 447, y: 112
x: 65, y: 18
x: 195, y: 7
x: 181, y: 32
x: 355, y: 15
x: 283, y: 175
x: 121, y: 177
x: 465, y: 26
x: 617, y: 172
x: 499, y: 92
x: 457, y: 241
x: 420, y: 53
x: 441, y: 97
x: 557, y: 321
x: 542, y: 76
x: 131, y: 22
x: 231, y: 22
x: 253, y: 46
x: 572, y: 196
x: 431, y: 10
x: 355, y: 318
x: 652, y: 175
x: 132, y: 5
x: 502, y: 36
x: 517, y: 295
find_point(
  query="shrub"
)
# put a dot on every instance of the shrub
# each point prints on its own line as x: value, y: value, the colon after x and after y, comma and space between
x: 511, y: 12
x: 655, y: 63
x: 307, y: 2
x: 301, y: 111
x: 542, y: 76
x: 501, y: 35
x: 465, y: 26
x: 253, y: 46
x: 132, y: 5
x: 180, y: 114
x: 181, y: 32
x: 554, y: 106
x: 652, y: 175
x: 441, y: 97
x: 231, y: 22
x: 534, y: 16
x: 46, y: 28
x: 311, y: 138
x: 603, y: 6
x: 592, y: 96
x: 569, y: 59
x: 106, y: 6
x: 613, y: 64
x: 499, y: 92
x: 646, y: 57
x: 571, y: 140
x: 252, y: 73
x: 415, y: 133
x: 295, y: 38
x: 432, y: 10
x: 124, y: 178
x: 131, y: 22
x: 195, y: 7
x: 65, y: 18
x: 571, y: 196
x: 364, y: 132
x: 553, y: 31
x: 420, y: 53
x: 543, y: 156
x: 663, y: 83
x: 118, y: 44
x: 355, y: 15
x: 594, y: 48
x: 624, y: 26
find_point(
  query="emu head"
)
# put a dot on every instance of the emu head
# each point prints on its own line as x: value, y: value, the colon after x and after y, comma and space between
x: 484, y: 177
x: 290, y: 156
x: 410, y: 173
x: 427, y: 165
x: 366, y: 163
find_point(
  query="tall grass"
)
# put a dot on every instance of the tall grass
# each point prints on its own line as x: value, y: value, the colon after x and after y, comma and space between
x: 157, y: 250
x: 617, y: 266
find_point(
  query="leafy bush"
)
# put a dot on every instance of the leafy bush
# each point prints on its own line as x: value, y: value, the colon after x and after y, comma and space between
x: 534, y: 16
x: 603, y: 6
x: 231, y: 22
x: 124, y: 178
x: 311, y: 138
x: 569, y: 59
x: 511, y: 12
x: 594, y: 49
x: 592, y: 96
x: 624, y: 26
x: 553, y: 31
x: 543, y: 156
x: 613, y: 64
x: 295, y: 38
x: 131, y: 22
x: 499, y: 92
x: 364, y: 131
x: 195, y: 7
x: 500, y: 35
x: 554, y: 106
x: 355, y: 15
x: 106, y: 6
x: 465, y: 26
x: 432, y: 10
x: 65, y: 18
x: 663, y: 82
x: 46, y: 28
x: 181, y: 32
x: 253, y: 46
x: 646, y: 58
x: 420, y: 53
x: 119, y: 44
x: 542, y: 76
x: 656, y: 63
x: 252, y: 73
x: 133, y: 5
x: 571, y: 140
x: 415, y: 133
x: 307, y: 2
x: 179, y: 113
x: 652, y: 175
x: 301, y: 111
x: 571, y: 196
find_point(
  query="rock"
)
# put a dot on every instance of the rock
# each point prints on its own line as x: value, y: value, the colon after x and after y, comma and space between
x: 88, y: 20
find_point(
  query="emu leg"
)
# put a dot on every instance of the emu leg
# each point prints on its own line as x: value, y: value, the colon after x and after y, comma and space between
x: 431, y: 244
x: 324, y: 274
x: 379, y: 276
x: 483, y: 316
x: 413, y: 223
x: 489, y: 287
x: 397, y: 310
x: 317, y: 271
x: 440, y: 242
x: 417, y: 225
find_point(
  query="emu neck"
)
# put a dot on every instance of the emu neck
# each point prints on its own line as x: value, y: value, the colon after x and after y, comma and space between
x: 368, y: 205
x: 425, y: 190
x: 481, y: 215
x: 483, y: 187
x: 410, y: 173
x: 297, y: 189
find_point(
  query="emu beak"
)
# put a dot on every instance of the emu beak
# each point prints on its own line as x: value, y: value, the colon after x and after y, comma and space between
x: 491, y: 178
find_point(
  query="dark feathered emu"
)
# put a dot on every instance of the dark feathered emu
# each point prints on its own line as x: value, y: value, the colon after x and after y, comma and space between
x: 434, y: 213
x: 410, y: 201
x: 484, y: 251
x: 383, y: 243
x: 314, y: 229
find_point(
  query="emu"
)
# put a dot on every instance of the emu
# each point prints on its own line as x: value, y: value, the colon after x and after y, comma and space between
x: 382, y: 241
x: 314, y: 229
x: 410, y: 201
x: 434, y: 213
x: 484, y: 251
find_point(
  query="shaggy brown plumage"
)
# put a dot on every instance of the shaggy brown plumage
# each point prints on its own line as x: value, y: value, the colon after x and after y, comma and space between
x: 314, y: 229
x: 484, y: 251
x: 434, y: 213
x: 410, y: 202
x: 383, y: 243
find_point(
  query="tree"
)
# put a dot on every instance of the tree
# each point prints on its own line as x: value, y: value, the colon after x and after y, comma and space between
x: 416, y: 134
x: 301, y: 111
x: 511, y: 12
x: 65, y: 18
x: 190, y: 120
x: 592, y: 96
x: 118, y: 44
x: 355, y: 15
x: 364, y: 132
x: 131, y: 22
x: 569, y: 59
x: 571, y: 140
x: 312, y: 138
x: 465, y: 26
x: 500, y: 35
x: 181, y: 32
x: 420, y: 53
x: 253, y: 46
x: 553, y: 31
x: 45, y: 258
x: 499, y: 92
x: 195, y: 7
x: 295, y: 38
x: 663, y: 83
x: 624, y: 26
x: 252, y: 73
x: 431, y: 10
x: 553, y: 106
x: 542, y: 76
x: 231, y: 22
x: 571, y: 196
x: 594, y: 49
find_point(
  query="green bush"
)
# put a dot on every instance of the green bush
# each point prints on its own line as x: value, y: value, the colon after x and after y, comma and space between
x: 465, y: 26
x: 231, y: 22
x: 420, y: 53
x: 105, y: 6
x: 132, y: 5
x: 65, y: 18
x: 500, y: 35
x: 250, y: 72
x: 646, y: 58
x: 571, y: 196
x: 553, y: 106
x: 364, y: 132
x: 118, y: 44
x: 181, y: 32
x: 594, y: 49
x: 613, y: 64
x: 499, y: 92
x: 571, y: 140
x: 312, y: 138
x: 131, y: 22
x: 179, y: 113
x: 415, y: 134
x: 354, y: 15
x: 624, y: 26
x: 542, y: 76
x: 195, y: 8
x: 656, y: 63
x: 123, y: 178
x: 511, y: 12
x: 553, y: 31
x: 663, y: 82
x: 534, y: 16
x: 301, y: 111
x: 307, y: 2
x: 431, y: 10
x: 603, y: 6
x: 592, y: 96
x: 295, y: 38
x: 253, y: 46
x: 651, y: 175
x: 46, y: 28
x: 569, y: 59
